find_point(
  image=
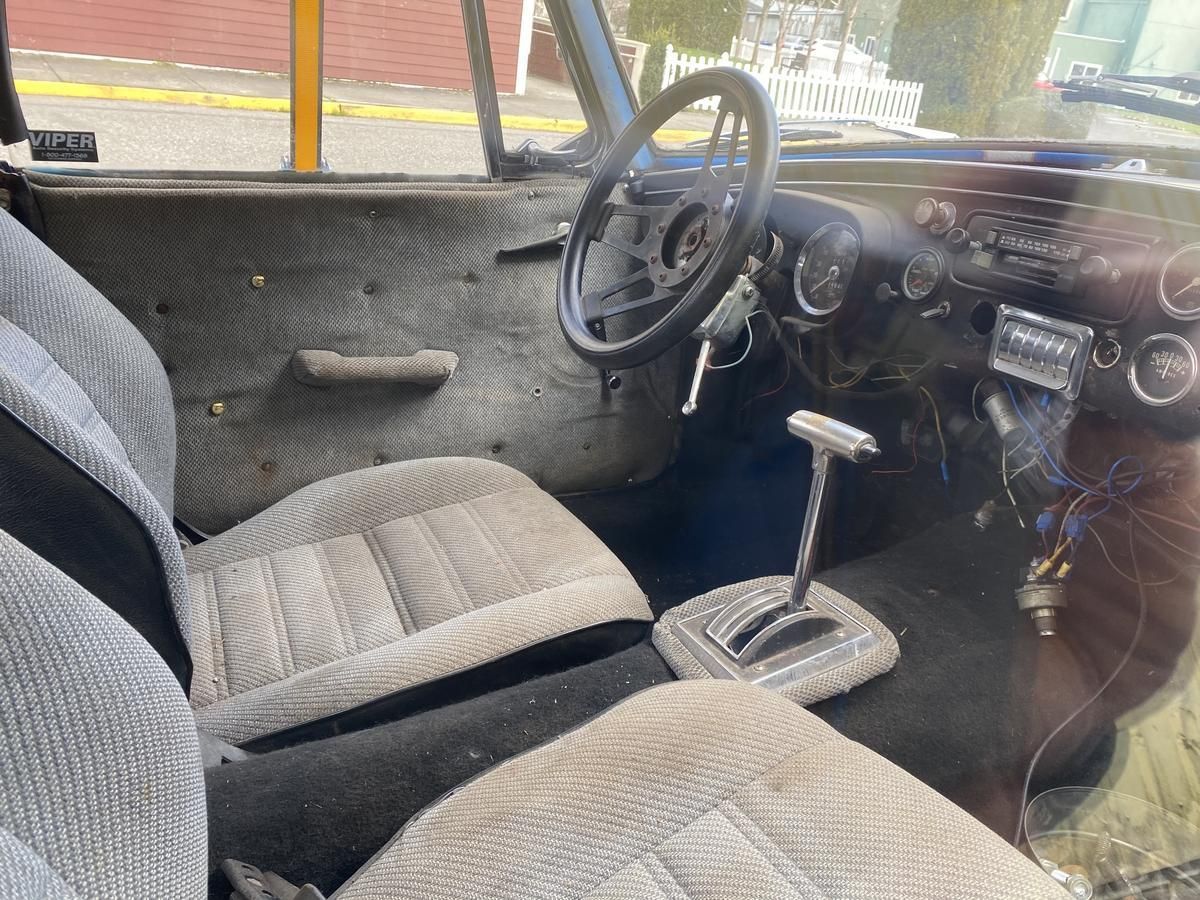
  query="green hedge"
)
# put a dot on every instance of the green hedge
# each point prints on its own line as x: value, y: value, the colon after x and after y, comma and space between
x: 708, y: 25
x: 970, y: 55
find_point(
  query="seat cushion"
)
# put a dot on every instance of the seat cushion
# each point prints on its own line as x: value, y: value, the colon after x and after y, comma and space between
x: 698, y: 789
x: 381, y: 579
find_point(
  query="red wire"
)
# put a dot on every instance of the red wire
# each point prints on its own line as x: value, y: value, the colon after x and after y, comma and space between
x: 787, y: 376
x: 915, y: 435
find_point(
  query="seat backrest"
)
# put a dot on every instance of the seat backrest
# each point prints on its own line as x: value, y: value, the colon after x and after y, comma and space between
x: 101, y: 783
x: 87, y: 442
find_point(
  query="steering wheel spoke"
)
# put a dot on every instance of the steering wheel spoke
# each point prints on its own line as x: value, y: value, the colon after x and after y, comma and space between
x: 721, y: 178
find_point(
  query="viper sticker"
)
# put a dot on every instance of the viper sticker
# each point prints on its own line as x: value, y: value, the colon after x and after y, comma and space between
x: 63, y: 146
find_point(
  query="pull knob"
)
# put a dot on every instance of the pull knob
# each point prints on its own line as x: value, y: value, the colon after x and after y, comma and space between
x: 885, y: 293
x: 926, y: 212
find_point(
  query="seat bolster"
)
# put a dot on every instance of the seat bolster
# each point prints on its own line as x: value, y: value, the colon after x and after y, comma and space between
x: 461, y: 643
x: 698, y: 789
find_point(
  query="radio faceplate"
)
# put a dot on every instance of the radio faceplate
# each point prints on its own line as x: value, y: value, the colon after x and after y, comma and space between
x: 1088, y: 274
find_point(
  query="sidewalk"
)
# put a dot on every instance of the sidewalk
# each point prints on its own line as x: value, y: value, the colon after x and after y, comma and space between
x: 546, y: 106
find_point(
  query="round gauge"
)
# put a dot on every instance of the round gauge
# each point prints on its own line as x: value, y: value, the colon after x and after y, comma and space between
x: 922, y: 275
x: 1179, y: 284
x: 825, y: 267
x: 1162, y: 369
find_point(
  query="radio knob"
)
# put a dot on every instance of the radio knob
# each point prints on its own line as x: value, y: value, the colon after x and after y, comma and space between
x: 926, y: 212
x: 1098, y: 270
x: 959, y: 239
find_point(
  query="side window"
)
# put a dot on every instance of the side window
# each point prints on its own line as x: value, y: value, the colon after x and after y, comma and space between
x: 193, y: 85
x: 1083, y: 70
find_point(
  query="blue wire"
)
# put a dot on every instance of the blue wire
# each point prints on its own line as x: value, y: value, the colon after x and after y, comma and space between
x: 1112, y: 490
x: 1041, y: 445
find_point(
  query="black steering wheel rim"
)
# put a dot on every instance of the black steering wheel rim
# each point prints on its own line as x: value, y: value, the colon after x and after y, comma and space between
x: 698, y: 280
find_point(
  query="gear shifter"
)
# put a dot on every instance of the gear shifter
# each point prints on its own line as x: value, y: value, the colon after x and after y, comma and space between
x: 792, y: 631
x: 830, y: 440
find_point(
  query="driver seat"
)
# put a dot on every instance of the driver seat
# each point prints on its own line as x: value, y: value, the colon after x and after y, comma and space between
x: 366, y: 587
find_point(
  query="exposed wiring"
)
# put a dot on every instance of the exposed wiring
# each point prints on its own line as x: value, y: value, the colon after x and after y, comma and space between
x: 1126, y: 575
x: 1124, y: 661
x: 749, y: 345
x: 937, y: 424
x: 974, y: 397
x: 1007, y: 487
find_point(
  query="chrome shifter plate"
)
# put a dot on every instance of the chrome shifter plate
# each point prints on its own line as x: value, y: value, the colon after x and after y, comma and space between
x: 827, y: 637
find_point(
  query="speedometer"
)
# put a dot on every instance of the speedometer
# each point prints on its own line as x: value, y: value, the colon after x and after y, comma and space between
x: 825, y: 267
x: 922, y: 275
x: 1179, y: 284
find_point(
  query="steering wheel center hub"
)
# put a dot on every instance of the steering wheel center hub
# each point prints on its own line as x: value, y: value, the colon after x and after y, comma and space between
x: 690, y: 236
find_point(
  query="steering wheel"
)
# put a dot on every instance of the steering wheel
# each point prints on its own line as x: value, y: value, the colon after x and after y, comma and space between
x: 691, y: 249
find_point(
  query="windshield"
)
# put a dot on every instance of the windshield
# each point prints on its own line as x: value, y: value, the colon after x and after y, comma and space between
x: 867, y: 71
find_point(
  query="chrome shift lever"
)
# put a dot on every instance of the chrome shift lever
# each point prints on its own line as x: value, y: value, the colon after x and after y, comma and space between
x: 830, y: 440
x: 792, y: 631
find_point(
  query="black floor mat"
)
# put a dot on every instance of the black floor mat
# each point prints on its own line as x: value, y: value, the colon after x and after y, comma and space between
x: 318, y: 811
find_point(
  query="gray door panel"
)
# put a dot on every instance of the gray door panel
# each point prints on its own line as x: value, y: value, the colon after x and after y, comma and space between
x: 383, y: 270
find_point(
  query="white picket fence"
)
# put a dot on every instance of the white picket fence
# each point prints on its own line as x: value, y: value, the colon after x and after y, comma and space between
x: 812, y: 95
x: 742, y: 51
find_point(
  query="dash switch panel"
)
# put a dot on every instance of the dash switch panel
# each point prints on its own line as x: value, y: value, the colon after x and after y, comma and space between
x: 1050, y: 353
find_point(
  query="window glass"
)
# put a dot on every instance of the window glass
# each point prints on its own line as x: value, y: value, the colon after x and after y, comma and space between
x: 537, y: 99
x: 189, y: 85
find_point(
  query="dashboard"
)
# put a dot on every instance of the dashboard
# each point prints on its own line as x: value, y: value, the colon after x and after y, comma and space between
x: 1086, y: 283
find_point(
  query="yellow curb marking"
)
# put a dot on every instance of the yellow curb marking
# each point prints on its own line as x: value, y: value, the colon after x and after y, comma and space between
x: 329, y: 107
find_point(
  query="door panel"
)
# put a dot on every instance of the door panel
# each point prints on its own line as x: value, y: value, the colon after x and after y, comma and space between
x: 379, y: 269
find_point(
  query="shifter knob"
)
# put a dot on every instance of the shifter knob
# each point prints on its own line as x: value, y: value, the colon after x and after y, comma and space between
x: 831, y: 437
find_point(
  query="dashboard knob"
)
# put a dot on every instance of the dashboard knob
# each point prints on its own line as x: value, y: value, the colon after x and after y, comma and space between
x: 885, y: 293
x: 926, y: 212
x: 959, y: 239
x: 1098, y: 270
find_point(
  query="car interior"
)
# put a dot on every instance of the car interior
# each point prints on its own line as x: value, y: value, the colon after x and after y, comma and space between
x: 727, y: 521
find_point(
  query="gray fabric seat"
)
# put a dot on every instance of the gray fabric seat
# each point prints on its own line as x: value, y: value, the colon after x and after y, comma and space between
x: 354, y: 588
x: 373, y: 581
x: 697, y: 789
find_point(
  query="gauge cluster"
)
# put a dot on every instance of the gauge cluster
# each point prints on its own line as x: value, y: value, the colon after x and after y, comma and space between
x: 935, y: 262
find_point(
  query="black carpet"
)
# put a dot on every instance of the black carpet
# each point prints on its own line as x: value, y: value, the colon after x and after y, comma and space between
x: 318, y: 811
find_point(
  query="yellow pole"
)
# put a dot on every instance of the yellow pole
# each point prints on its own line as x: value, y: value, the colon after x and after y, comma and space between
x: 307, y: 24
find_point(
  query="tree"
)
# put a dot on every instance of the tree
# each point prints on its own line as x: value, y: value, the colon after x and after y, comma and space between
x: 970, y: 55
x: 705, y: 25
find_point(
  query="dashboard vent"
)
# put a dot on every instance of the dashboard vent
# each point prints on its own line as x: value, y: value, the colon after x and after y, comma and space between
x: 1051, y: 353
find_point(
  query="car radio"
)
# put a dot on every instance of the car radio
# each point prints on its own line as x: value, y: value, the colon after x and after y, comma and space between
x: 1084, y: 273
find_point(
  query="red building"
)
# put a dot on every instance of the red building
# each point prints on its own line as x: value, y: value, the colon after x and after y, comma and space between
x: 418, y: 42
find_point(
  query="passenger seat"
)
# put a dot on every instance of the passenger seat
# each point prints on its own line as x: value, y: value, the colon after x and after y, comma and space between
x: 698, y: 789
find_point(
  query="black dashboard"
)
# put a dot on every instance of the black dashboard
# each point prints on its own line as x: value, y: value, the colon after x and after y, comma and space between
x: 1087, y: 283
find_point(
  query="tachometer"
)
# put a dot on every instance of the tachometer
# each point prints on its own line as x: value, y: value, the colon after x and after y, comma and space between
x: 923, y: 275
x: 1179, y: 284
x: 825, y: 267
x: 1162, y: 370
